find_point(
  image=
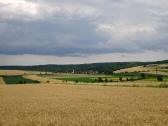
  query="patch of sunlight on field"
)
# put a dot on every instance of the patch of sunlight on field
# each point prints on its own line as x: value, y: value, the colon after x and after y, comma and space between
x: 74, y: 105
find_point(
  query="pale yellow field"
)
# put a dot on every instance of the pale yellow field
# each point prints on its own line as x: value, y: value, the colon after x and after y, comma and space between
x: 20, y: 72
x: 147, y: 69
x: 13, y: 72
x: 74, y: 105
x: 136, y: 69
x: 1, y: 81
x: 44, y: 79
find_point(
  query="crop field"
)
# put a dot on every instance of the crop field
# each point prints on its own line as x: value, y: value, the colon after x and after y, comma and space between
x: 134, y: 79
x: 17, y: 79
x: 79, y: 79
x: 151, y: 69
x: 13, y: 72
x: 117, y: 77
x: 99, y: 78
x: 74, y: 105
x: 55, y: 102
x: 91, y: 79
x: 1, y: 81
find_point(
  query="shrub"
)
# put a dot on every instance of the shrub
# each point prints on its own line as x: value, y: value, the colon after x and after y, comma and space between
x: 143, y: 76
x: 106, y: 80
x: 48, y: 81
x: 36, y: 81
x: 111, y: 80
x: 100, y: 79
x: 160, y: 78
x: 20, y: 82
x: 120, y: 78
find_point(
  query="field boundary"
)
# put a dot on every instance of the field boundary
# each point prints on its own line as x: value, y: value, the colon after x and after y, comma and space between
x: 123, y: 84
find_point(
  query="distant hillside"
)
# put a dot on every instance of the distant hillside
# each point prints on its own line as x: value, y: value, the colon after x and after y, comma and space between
x: 106, y: 68
x: 161, y: 62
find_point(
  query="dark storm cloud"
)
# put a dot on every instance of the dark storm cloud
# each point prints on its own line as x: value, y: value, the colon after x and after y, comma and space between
x: 58, y: 36
x: 82, y: 27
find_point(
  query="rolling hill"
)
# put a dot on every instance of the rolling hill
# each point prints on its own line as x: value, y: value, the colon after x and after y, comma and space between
x: 106, y: 68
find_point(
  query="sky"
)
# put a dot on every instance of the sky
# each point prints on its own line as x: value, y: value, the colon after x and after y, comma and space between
x: 36, y: 32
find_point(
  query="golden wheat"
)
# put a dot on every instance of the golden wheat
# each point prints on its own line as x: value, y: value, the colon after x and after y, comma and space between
x: 73, y: 105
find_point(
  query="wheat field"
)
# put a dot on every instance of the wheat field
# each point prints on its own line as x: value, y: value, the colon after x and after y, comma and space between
x: 147, y: 69
x: 13, y: 72
x: 82, y: 105
x: 1, y: 81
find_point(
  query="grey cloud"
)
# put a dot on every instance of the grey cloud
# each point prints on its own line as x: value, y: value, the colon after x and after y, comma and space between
x: 83, y: 27
x: 57, y: 37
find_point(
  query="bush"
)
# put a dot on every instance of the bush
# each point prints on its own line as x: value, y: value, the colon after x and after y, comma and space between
x: 143, y: 76
x: 36, y: 81
x: 20, y: 82
x: 48, y: 81
x: 160, y: 78
x: 100, y: 79
x: 111, y: 80
x: 120, y: 78
x: 106, y: 80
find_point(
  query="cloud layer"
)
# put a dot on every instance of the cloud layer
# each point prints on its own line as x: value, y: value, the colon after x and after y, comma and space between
x: 28, y: 59
x: 83, y: 27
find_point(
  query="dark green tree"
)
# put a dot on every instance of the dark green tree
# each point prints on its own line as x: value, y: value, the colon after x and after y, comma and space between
x: 106, y: 80
x: 100, y: 79
x: 160, y: 78
x: 120, y: 78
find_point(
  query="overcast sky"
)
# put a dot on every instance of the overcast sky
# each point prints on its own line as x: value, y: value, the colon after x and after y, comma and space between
x: 82, y: 31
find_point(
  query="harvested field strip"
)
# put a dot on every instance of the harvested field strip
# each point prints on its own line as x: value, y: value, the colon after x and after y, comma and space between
x: 43, y: 79
x: 13, y: 72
